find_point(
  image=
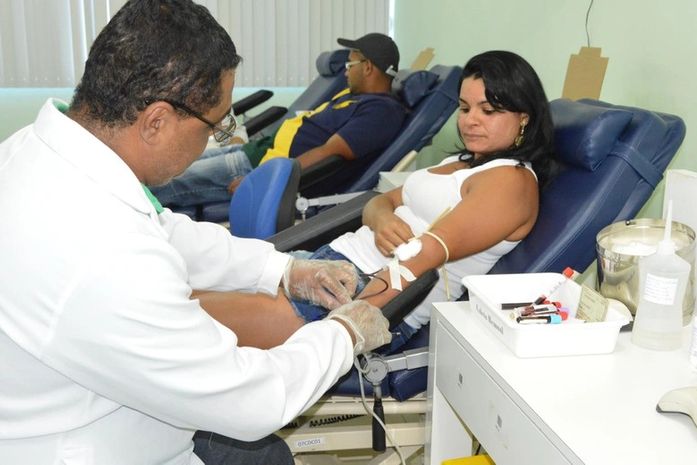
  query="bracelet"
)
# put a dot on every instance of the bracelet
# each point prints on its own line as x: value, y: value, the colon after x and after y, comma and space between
x: 447, y: 257
x: 440, y: 241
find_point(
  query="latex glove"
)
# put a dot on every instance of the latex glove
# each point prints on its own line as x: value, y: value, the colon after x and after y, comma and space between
x: 370, y: 328
x: 329, y: 283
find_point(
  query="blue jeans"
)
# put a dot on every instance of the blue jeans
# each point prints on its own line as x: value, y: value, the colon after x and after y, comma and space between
x: 214, y: 449
x: 311, y: 312
x: 207, y: 179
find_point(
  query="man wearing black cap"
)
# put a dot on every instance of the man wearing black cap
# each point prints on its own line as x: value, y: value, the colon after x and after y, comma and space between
x: 357, y: 124
x: 378, y: 49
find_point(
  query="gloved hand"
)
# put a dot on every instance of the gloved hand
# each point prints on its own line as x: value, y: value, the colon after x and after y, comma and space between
x: 369, y: 326
x: 329, y: 283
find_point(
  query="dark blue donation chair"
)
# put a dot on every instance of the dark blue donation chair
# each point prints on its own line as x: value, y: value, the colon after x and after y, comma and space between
x: 612, y: 157
x: 265, y: 200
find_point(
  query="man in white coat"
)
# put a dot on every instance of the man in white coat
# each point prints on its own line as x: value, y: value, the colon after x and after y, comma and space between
x: 104, y: 357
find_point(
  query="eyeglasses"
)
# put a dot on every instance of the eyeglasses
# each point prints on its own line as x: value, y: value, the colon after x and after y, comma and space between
x: 348, y: 64
x: 222, y: 132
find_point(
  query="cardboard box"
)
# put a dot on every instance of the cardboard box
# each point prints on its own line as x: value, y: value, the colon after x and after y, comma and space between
x: 585, y: 74
x: 572, y: 337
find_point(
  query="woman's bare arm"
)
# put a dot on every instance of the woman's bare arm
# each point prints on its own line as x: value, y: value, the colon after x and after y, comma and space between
x: 497, y: 204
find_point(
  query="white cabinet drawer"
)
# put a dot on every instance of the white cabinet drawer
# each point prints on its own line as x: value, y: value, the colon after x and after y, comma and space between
x: 510, y: 435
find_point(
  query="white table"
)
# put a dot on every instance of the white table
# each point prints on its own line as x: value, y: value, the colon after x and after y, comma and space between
x: 593, y: 409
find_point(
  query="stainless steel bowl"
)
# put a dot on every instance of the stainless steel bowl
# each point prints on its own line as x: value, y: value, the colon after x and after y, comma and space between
x: 619, y: 247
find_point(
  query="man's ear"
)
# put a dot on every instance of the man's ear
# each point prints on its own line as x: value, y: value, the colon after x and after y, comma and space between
x: 369, y: 67
x: 155, y: 120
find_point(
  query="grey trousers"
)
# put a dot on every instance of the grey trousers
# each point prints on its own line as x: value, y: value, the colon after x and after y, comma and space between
x: 214, y: 449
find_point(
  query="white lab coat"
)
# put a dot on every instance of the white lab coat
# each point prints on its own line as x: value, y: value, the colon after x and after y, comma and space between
x: 104, y: 359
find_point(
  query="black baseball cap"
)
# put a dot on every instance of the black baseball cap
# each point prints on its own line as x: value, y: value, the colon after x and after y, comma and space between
x: 379, y: 49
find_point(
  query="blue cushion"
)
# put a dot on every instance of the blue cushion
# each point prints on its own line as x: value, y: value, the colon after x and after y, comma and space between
x: 332, y: 63
x: 585, y: 134
x: 260, y: 191
x: 411, y: 86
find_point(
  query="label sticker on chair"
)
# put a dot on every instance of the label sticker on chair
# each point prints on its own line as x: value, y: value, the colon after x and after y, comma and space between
x: 308, y: 443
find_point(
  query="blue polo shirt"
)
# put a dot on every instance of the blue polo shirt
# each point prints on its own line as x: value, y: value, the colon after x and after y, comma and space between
x: 367, y: 122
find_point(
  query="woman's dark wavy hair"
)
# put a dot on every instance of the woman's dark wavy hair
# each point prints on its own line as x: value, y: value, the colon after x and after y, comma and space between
x: 154, y: 49
x: 512, y: 84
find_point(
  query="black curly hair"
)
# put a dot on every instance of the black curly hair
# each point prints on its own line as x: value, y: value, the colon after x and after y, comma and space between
x: 512, y: 84
x: 154, y: 49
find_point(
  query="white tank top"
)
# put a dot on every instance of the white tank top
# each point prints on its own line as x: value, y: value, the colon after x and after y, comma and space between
x: 425, y: 196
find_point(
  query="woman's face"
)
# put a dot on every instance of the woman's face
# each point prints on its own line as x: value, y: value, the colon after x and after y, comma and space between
x: 484, y: 129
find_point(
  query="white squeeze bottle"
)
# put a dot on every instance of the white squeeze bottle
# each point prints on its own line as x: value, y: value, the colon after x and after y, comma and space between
x: 663, y: 280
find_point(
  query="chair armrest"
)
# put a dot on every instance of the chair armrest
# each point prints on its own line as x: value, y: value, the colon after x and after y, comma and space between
x: 243, y: 105
x: 403, y: 303
x: 258, y: 122
x: 323, y: 227
x: 319, y: 172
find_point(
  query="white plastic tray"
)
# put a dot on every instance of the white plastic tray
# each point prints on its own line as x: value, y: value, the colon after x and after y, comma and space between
x: 572, y: 337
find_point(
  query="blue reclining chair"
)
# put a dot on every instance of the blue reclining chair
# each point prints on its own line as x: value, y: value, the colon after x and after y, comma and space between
x: 431, y: 97
x: 254, y: 196
x: 612, y: 157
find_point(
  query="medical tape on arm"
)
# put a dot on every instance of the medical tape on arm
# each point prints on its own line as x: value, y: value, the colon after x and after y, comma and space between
x: 397, y: 272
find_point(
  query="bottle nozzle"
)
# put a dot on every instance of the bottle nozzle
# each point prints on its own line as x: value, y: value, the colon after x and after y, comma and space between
x: 666, y: 246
